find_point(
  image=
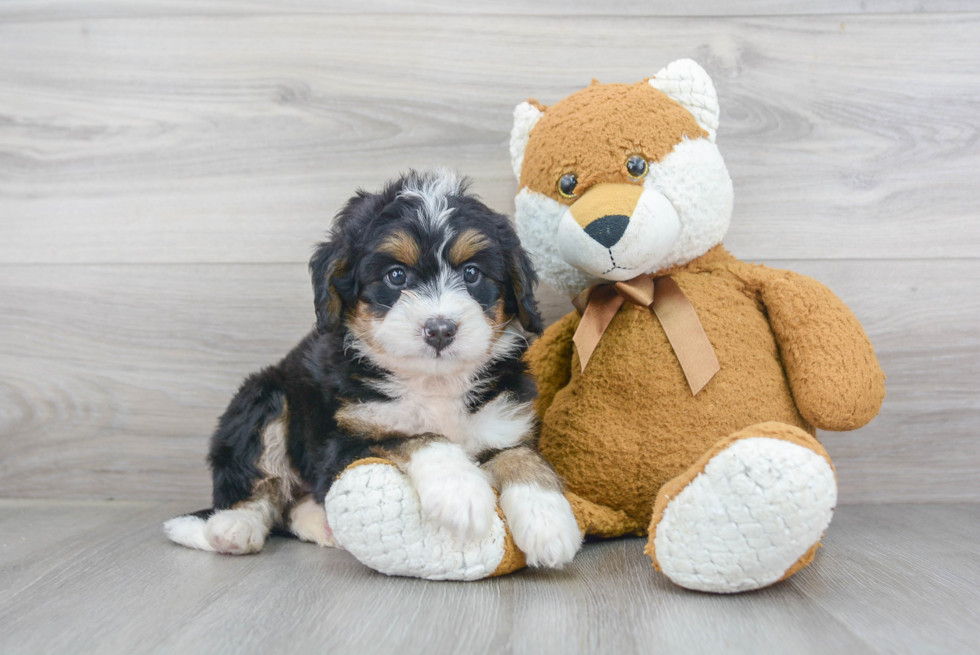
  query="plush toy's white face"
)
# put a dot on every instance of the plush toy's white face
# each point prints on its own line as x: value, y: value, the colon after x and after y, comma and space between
x: 621, y: 180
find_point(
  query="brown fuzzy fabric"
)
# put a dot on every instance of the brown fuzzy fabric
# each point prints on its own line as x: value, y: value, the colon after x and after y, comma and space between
x: 513, y: 559
x: 600, y: 521
x: 627, y: 425
x: 573, y: 136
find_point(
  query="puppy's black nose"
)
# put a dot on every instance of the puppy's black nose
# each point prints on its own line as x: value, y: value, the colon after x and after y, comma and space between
x: 608, y: 230
x: 439, y: 332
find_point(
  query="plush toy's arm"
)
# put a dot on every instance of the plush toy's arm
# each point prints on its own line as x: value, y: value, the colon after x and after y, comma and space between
x: 550, y: 359
x: 832, y: 369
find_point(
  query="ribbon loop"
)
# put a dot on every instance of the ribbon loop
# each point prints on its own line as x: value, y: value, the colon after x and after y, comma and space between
x: 638, y: 291
x: 599, y: 304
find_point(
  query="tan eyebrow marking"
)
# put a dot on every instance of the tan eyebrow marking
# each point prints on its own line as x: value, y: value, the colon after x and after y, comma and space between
x: 467, y: 244
x: 402, y: 247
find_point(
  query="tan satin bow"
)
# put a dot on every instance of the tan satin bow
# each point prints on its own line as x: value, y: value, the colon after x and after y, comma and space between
x: 599, y: 304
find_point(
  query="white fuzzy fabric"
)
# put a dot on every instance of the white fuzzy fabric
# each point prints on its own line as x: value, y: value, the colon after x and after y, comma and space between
x: 188, y: 531
x: 651, y: 232
x: 757, y: 507
x: 689, y: 84
x: 526, y: 116
x: 376, y: 515
x: 694, y: 178
x: 537, y: 218
x: 542, y: 523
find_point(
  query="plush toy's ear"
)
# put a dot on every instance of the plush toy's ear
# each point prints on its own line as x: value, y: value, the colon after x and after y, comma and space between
x: 331, y: 277
x: 687, y: 83
x: 526, y: 116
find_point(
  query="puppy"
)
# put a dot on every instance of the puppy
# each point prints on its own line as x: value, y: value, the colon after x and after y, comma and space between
x: 424, y: 300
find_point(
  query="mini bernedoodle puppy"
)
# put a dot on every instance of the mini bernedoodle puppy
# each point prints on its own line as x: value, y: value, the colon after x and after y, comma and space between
x: 424, y: 300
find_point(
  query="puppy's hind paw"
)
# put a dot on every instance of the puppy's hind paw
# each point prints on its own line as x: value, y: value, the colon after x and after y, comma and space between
x: 542, y: 523
x: 236, y: 532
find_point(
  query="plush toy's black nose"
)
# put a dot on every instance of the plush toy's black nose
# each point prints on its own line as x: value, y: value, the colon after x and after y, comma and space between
x: 608, y: 230
x: 439, y: 332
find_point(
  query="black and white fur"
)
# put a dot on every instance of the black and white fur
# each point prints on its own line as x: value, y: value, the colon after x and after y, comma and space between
x: 424, y: 300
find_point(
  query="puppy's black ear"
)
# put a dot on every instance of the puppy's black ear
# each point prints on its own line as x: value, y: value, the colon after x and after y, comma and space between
x: 333, y: 266
x: 523, y: 281
x: 330, y: 270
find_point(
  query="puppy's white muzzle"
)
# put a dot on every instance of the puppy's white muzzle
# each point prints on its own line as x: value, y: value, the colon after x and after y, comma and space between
x: 618, y: 231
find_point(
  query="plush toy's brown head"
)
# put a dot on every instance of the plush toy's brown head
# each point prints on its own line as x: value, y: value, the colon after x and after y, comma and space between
x: 619, y: 180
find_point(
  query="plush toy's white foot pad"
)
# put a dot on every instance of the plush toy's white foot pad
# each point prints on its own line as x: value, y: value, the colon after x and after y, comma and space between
x: 375, y: 514
x: 757, y: 508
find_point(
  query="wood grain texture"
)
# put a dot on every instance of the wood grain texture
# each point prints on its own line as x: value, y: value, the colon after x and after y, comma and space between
x: 100, y: 577
x: 112, y: 377
x: 228, y: 136
x: 26, y: 10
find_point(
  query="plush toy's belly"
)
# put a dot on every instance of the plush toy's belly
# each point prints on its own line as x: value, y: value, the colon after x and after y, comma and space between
x: 629, y: 424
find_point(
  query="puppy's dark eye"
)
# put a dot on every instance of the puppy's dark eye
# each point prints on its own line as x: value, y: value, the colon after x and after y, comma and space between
x: 396, y: 277
x: 471, y: 275
x: 636, y: 167
x: 567, y: 184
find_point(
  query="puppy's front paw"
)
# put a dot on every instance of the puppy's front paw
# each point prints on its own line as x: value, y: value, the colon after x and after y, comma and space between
x: 542, y: 523
x: 453, y: 491
x: 236, y: 532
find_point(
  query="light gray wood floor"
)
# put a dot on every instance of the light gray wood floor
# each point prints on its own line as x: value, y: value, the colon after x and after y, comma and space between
x: 96, y: 576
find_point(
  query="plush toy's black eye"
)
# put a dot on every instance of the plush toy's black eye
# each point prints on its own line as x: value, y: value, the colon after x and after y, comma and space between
x: 636, y: 166
x: 396, y: 277
x: 471, y: 274
x: 567, y: 184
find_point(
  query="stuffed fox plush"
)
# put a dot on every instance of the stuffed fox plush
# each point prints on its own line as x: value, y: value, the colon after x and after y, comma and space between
x: 681, y: 399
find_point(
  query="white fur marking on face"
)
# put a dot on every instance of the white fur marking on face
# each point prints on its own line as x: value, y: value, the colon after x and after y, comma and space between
x: 433, y: 188
x: 399, y: 338
x: 542, y: 523
x: 241, y: 530
x: 526, y: 116
x: 453, y: 491
x: 188, y: 531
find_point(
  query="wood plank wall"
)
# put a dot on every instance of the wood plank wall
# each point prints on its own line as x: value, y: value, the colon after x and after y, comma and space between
x: 166, y: 167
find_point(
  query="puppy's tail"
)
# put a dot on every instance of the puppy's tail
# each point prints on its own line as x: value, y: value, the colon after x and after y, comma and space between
x: 188, y: 530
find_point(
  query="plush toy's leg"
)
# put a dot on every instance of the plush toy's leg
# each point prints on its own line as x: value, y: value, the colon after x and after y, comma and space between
x: 749, y: 513
x: 601, y: 521
x: 374, y: 513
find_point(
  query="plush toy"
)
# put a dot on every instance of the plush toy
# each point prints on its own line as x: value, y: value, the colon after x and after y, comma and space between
x: 680, y: 399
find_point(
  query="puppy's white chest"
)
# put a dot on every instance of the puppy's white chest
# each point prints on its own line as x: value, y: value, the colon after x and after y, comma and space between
x: 417, y: 414
x: 500, y: 423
